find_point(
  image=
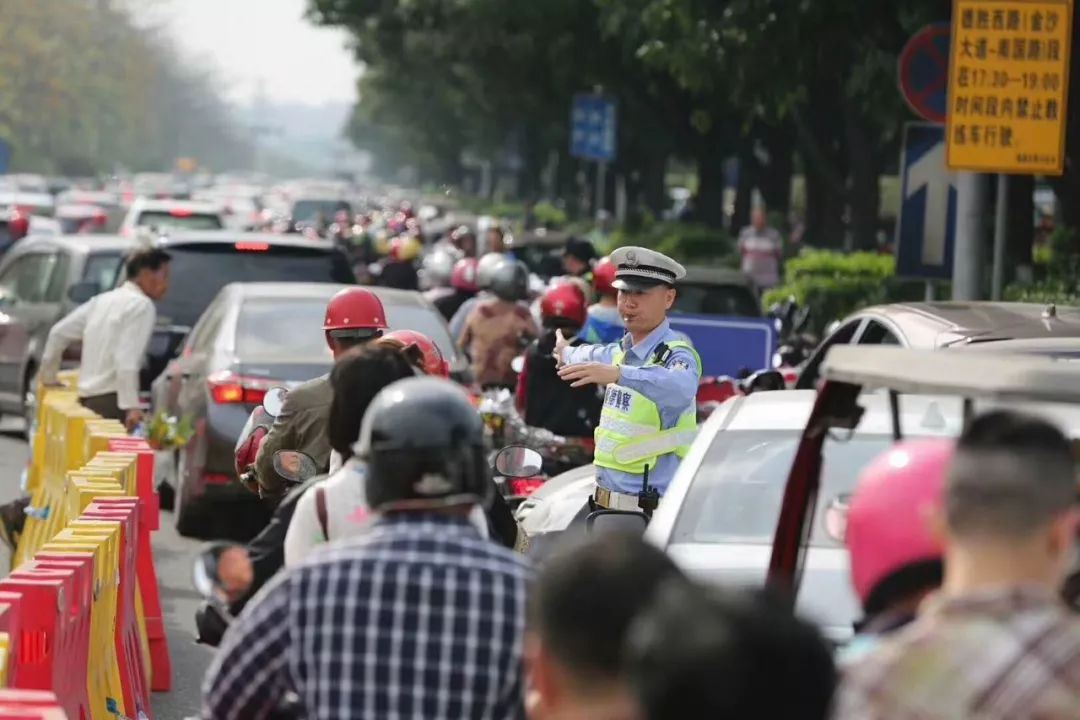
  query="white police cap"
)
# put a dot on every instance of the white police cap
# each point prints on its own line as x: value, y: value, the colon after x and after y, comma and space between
x: 638, y: 268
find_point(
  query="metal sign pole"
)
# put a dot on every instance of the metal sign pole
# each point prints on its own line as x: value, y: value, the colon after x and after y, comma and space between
x: 601, y: 191
x: 1001, y: 222
x: 968, y: 259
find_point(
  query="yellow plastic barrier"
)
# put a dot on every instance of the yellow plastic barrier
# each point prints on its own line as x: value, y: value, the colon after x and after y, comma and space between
x: 78, y: 462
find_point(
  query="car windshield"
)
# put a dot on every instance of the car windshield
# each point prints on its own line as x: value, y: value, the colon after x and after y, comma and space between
x: 544, y: 261
x: 198, y: 272
x: 707, y: 299
x: 180, y: 221
x: 310, y: 211
x: 424, y: 320
x: 735, y: 495
x: 268, y: 329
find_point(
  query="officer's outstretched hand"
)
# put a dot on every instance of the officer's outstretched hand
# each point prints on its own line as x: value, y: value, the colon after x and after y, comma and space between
x: 561, y: 343
x: 592, y: 373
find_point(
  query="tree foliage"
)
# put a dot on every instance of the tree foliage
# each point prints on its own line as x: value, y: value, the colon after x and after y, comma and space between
x: 84, y: 90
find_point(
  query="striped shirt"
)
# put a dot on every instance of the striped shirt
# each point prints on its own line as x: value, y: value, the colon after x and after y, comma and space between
x: 1009, y: 653
x: 418, y: 618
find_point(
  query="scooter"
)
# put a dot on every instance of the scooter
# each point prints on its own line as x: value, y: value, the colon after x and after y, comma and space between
x: 255, y: 431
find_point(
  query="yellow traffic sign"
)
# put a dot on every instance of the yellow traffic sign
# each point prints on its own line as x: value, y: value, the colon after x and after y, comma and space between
x: 1008, y: 85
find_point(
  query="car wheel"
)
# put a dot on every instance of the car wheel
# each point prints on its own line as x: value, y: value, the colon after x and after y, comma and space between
x: 188, y: 516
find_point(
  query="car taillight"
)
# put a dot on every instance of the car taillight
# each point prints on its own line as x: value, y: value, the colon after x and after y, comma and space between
x: 523, y: 487
x: 252, y: 246
x: 228, y: 388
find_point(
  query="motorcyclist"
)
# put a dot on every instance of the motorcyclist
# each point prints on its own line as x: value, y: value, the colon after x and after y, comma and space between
x: 604, y: 324
x: 463, y: 280
x: 498, y: 328
x: 354, y: 316
x: 399, y: 271
x: 543, y: 398
x: 485, y: 270
x: 323, y: 630
x: 896, y: 558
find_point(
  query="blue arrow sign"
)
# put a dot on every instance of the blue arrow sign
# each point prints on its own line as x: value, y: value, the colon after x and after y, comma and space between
x: 925, y: 231
x: 592, y: 128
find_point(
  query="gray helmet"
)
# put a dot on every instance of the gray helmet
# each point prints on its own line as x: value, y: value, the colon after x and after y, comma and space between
x: 510, y: 281
x: 485, y: 269
x: 437, y: 268
x: 423, y: 442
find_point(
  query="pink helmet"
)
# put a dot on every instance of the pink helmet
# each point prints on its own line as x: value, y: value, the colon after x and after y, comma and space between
x: 888, y: 522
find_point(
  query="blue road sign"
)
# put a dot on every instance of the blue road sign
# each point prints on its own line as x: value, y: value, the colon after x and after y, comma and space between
x: 924, y: 71
x: 592, y: 128
x: 729, y: 344
x: 5, y: 156
x: 925, y: 231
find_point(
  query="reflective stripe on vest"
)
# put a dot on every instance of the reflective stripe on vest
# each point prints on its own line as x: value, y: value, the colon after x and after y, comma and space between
x: 631, y: 435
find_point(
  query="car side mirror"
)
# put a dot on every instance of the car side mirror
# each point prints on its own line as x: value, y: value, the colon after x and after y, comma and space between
x: 80, y: 292
x: 620, y: 521
x: 765, y: 380
x: 204, y: 574
x: 7, y: 298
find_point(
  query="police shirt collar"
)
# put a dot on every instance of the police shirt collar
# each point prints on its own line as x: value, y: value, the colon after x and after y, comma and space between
x: 642, y: 349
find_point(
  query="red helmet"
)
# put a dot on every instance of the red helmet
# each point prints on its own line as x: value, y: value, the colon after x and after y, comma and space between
x: 355, y: 308
x: 463, y: 276
x: 564, y: 302
x: 434, y: 362
x: 604, y: 276
x: 888, y: 526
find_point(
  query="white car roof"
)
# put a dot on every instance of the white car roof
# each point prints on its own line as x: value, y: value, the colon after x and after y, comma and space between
x: 192, y: 206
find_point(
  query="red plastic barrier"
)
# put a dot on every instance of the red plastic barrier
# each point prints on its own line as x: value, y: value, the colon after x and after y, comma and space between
x: 53, y: 648
x: 30, y: 705
x: 128, y: 647
x: 149, y: 521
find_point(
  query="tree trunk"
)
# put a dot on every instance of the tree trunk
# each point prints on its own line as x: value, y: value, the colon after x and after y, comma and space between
x: 774, y: 179
x: 864, y: 192
x: 710, y: 197
x: 1020, y: 233
x: 744, y: 189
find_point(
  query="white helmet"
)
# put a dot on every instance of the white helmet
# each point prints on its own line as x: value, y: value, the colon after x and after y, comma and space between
x: 485, y: 269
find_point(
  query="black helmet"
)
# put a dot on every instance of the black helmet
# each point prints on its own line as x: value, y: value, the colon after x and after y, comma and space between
x: 423, y: 442
x: 510, y: 280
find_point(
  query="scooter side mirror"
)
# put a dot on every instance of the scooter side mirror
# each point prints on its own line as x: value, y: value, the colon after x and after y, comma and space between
x: 620, y: 521
x: 274, y: 400
x: 204, y: 574
x: 295, y: 467
x: 518, y: 461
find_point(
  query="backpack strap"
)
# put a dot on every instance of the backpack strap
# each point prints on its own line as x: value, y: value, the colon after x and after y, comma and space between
x: 320, y: 510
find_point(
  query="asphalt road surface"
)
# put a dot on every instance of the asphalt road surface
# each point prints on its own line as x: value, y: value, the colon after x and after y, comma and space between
x: 174, y: 556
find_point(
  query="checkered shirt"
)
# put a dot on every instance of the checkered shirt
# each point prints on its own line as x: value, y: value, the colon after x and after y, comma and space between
x: 1010, y: 653
x: 419, y: 618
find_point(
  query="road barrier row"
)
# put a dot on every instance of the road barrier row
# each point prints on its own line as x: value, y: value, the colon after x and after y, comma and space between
x: 82, y: 634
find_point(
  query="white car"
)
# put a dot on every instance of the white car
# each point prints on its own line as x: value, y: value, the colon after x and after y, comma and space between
x: 719, y: 514
x: 163, y: 215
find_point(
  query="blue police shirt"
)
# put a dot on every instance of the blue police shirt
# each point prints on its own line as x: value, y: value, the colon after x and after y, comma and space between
x: 672, y: 386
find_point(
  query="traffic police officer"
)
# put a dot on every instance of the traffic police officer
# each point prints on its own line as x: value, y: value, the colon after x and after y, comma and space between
x: 649, y: 417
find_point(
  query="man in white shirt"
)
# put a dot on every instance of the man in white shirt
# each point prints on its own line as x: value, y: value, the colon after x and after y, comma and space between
x: 762, y: 249
x: 115, y: 328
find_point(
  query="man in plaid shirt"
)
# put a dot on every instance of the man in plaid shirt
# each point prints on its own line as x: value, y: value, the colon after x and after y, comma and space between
x: 420, y: 617
x: 997, y: 641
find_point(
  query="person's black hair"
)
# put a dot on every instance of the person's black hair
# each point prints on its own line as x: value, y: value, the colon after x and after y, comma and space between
x: 917, y: 577
x: 586, y: 596
x: 699, y: 653
x: 1011, y: 475
x: 356, y: 379
x: 145, y: 258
